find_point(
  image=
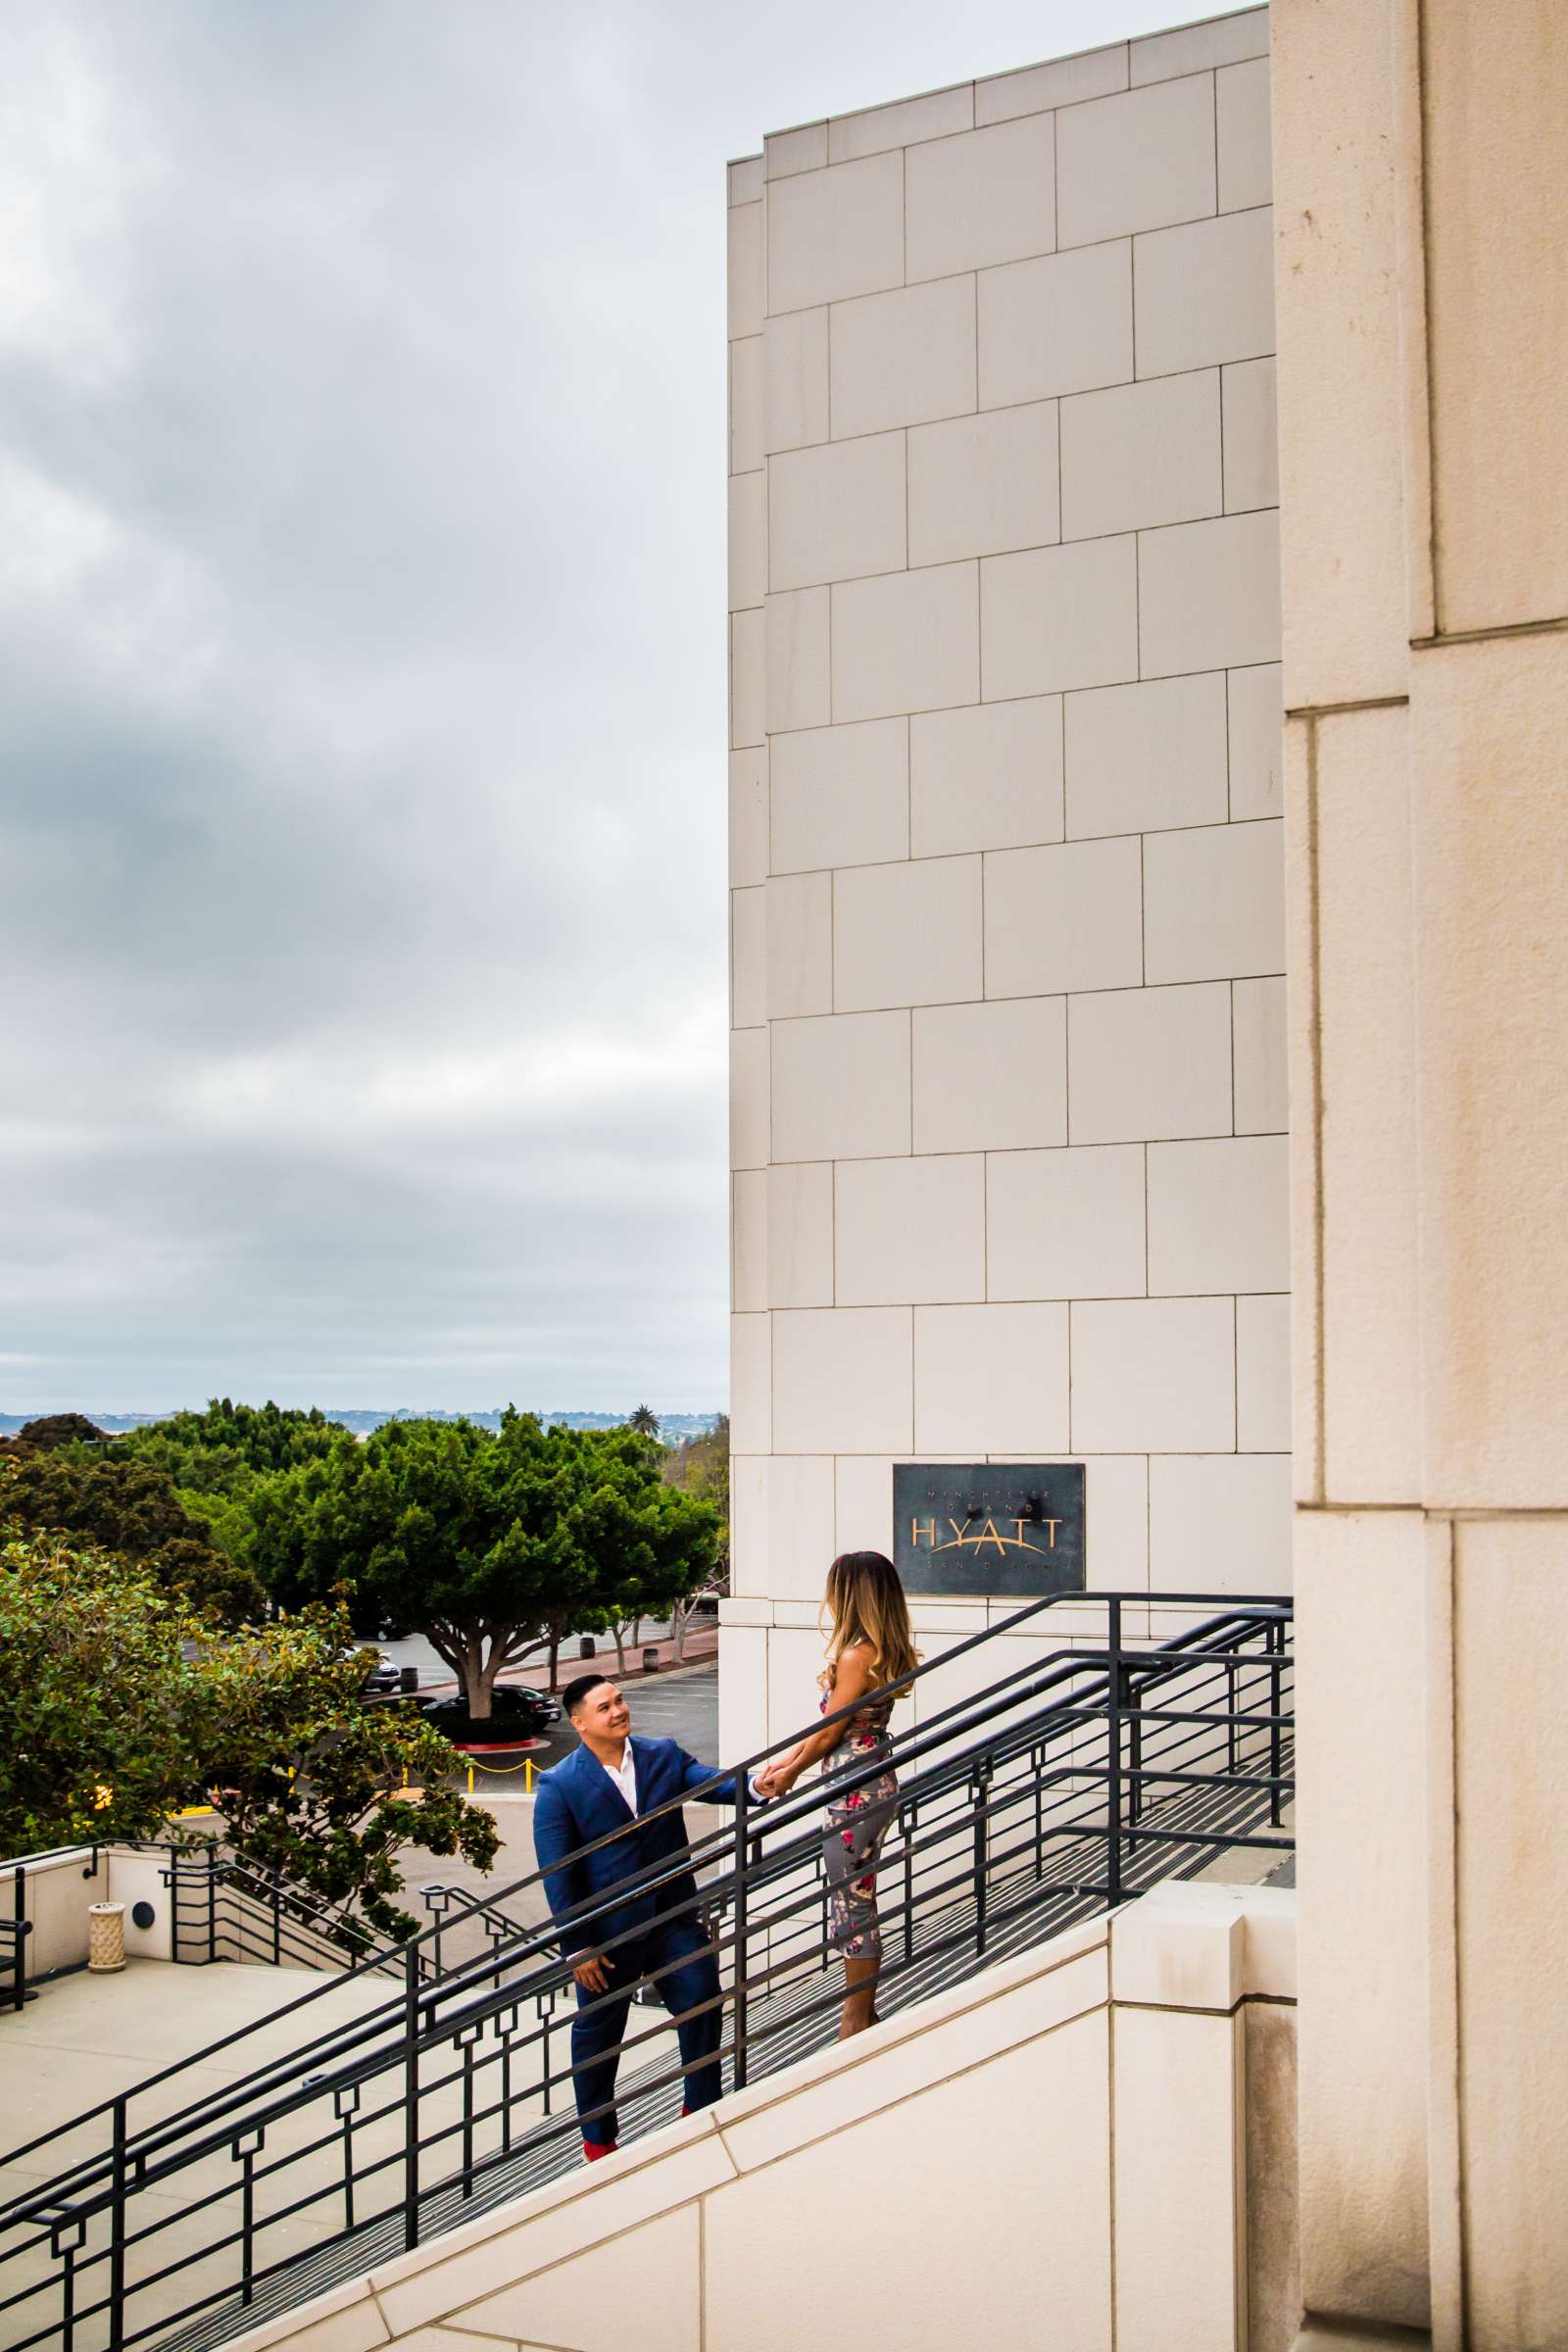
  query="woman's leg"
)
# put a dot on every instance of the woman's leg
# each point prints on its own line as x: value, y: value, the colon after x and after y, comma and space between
x: 859, y: 1996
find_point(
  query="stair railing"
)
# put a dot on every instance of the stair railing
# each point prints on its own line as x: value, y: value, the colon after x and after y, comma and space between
x: 1069, y: 1784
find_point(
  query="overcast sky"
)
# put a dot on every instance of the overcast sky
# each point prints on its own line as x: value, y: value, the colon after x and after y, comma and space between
x: 361, y: 679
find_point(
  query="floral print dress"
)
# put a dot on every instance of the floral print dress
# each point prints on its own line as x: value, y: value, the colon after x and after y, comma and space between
x: 857, y: 1824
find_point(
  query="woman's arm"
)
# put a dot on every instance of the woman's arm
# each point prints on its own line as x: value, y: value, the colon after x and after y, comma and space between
x: 851, y: 1681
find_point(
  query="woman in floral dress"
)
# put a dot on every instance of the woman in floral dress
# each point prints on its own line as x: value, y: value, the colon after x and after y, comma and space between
x: 869, y: 1646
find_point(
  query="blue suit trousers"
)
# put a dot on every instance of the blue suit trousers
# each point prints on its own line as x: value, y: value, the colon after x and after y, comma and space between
x: 689, y: 1979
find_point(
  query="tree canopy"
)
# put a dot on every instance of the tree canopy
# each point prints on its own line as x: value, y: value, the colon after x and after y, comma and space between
x: 492, y: 1546
x: 118, y: 1505
x: 123, y: 1707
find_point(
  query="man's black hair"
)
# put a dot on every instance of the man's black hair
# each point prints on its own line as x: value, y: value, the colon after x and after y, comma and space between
x: 576, y: 1692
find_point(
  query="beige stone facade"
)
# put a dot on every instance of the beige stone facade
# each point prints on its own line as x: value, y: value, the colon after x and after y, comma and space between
x: 1423, y: 413
x: 1008, y: 912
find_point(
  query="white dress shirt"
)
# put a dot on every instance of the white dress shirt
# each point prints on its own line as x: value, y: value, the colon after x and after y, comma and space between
x: 624, y: 1776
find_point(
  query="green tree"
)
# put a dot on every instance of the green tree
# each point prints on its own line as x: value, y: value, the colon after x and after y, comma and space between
x: 118, y: 1505
x: 492, y: 1546
x: 217, y: 1457
x: 122, y: 1708
x: 59, y: 1429
x: 699, y: 1467
x: 644, y: 1420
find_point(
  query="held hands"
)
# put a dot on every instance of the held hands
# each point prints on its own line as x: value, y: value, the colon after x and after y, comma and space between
x: 778, y: 1779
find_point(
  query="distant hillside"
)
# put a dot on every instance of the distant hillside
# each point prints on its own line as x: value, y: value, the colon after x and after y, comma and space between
x: 675, y: 1428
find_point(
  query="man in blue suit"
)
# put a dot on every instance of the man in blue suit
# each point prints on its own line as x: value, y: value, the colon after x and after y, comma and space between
x: 613, y: 1782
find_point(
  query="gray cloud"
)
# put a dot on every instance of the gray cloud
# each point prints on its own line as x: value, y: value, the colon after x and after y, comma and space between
x: 362, y: 682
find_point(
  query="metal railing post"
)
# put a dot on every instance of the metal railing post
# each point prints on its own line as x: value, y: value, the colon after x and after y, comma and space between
x: 1275, y: 1646
x: 212, y: 1903
x: 18, y: 1950
x: 1114, y: 1785
x: 411, y: 2098
x: 743, y: 1796
x: 117, y: 2234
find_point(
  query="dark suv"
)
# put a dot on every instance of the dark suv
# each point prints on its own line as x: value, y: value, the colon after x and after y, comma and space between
x: 517, y: 1712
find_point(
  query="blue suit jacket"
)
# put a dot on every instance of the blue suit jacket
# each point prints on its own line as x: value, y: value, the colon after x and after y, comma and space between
x: 576, y: 1804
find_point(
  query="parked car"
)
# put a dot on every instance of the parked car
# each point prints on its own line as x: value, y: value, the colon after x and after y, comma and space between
x: 517, y: 1712
x: 383, y: 1681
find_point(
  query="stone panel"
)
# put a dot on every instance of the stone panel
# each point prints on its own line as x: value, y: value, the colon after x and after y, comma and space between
x: 835, y: 234
x: 991, y: 1379
x: 1060, y: 617
x: 844, y: 1381
x: 909, y: 1229
x: 979, y: 485
x: 746, y: 714
x: 751, y: 1400
x: 1136, y: 161
x: 1252, y: 436
x: 1510, y: 1668
x: 1064, y: 81
x: 1341, y: 461
x: 903, y: 359
x: 799, y: 945
x: 840, y: 796
x: 1241, y: 127
x: 907, y: 933
x: 1143, y: 757
x: 1216, y: 41
x: 836, y: 513
x: 747, y: 1099
x: 748, y: 957
x: 1209, y: 595
x: 1215, y: 902
x: 795, y: 639
x: 1204, y: 293
x: 794, y: 381
x: 985, y: 777
x: 1260, y: 1076
x: 1256, y: 730
x: 1152, y: 1062
x: 799, y: 1526
x: 908, y: 642
x: 991, y: 1077
x: 1066, y: 1224
x: 1496, y: 213
x: 1263, y: 1376
x: 747, y: 295
x: 1141, y: 454
x: 802, y: 149
x: 1065, y: 917
x: 984, y: 198
x: 1488, y: 724
x: 1218, y: 1215
x: 748, y: 540
x: 799, y: 1235
x: 1366, y: 972
x: 746, y: 447
x: 841, y: 1087
x: 1060, y: 324
x: 934, y: 116
x: 748, y: 817
x: 1220, y: 1523
x: 748, y: 1240
x: 1154, y: 1376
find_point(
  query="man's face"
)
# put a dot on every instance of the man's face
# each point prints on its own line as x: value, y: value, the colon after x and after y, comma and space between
x: 604, y: 1714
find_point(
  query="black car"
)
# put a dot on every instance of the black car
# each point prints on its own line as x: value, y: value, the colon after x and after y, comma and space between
x: 516, y: 1710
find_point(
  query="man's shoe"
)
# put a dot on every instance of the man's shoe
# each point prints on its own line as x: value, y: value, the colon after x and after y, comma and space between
x: 593, y: 2149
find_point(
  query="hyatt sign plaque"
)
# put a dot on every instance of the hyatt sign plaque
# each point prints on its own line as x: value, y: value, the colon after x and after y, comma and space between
x: 1014, y: 1529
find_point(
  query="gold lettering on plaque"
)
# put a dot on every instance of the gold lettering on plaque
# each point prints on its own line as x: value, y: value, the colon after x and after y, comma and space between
x: 930, y: 1527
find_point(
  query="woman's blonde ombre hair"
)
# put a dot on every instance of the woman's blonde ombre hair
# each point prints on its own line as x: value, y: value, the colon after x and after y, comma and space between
x: 864, y: 1602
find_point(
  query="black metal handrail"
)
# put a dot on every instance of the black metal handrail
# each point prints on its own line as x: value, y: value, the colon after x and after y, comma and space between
x: 1067, y: 1785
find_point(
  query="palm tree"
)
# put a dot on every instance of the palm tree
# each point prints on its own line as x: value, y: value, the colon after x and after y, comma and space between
x: 644, y: 1420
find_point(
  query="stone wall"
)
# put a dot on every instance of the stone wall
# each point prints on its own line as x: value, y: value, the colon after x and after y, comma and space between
x: 1009, y: 1020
